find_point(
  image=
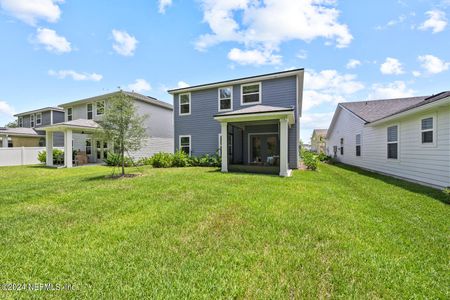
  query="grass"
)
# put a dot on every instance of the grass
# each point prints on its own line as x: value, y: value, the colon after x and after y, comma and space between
x: 197, y: 233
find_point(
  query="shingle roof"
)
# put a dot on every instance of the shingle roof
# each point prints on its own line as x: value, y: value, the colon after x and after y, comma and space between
x: 39, y: 110
x: 19, y: 131
x: 256, y: 109
x: 374, y: 110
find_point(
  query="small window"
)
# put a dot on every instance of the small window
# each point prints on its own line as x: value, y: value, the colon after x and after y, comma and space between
x: 427, y: 131
x: 392, y: 142
x: 69, y: 114
x: 251, y: 93
x: 185, y: 144
x: 38, y: 118
x: 32, y: 121
x: 20, y: 122
x: 100, y: 107
x: 88, y: 147
x: 358, y: 145
x: 90, y: 110
x: 184, y: 104
x: 342, y: 146
x: 225, y: 99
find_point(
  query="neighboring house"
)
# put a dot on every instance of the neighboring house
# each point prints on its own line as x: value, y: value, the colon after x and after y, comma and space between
x: 407, y: 138
x: 83, y: 118
x: 318, y: 140
x: 252, y: 122
x: 28, y: 133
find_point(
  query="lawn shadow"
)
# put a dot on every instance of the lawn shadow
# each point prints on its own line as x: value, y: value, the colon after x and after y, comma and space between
x: 404, y: 184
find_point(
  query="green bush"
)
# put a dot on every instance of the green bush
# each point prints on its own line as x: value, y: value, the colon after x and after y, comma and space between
x: 114, y: 159
x: 206, y: 161
x: 58, y: 156
x: 162, y: 160
x: 180, y: 159
x: 310, y: 160
x: 147, y: 161
x: 323, y: 157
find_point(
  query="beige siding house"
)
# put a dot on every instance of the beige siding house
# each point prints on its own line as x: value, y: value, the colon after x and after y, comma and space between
x: 407, y: 138
x: 318, y: 140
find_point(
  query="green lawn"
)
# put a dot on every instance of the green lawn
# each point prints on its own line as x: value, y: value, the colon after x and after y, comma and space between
x: 198, y: 233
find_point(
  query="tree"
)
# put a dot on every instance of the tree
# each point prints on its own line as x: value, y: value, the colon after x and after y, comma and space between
x: 122, y: 125
x: 12, y: 124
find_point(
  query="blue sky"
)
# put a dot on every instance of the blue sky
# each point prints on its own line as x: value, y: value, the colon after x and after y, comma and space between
x: 55, y: 51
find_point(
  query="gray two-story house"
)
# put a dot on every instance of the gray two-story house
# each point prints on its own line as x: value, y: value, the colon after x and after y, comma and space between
x: 28, y: 133
x: 84, y: 117
x: 252, y: 122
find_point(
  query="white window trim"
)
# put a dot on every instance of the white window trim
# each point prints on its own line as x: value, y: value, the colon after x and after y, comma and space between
x: 360, y: 145
x: 71, y: 114
x: 262, y: 133
x: 190, y: 143
x: 179, y: 104
x: 397, y: 142
x: 434, y: 143
x: 219, y: 99
x: 32, y: 121
x: 87, y: 111
x: 96, y: 108
x: 242, y: 94
x: 40, y: 122
x: 230, y: 145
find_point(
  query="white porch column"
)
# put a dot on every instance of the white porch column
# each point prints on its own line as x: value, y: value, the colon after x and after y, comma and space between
x: 4, y: 141
x: 49, y: 147
x: 284, y: 167
x: 224, y: 128
x: 68, y: 148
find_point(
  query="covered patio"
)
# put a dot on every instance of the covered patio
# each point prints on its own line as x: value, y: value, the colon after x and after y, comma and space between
x: 255, y: 139
x: 79, y: 126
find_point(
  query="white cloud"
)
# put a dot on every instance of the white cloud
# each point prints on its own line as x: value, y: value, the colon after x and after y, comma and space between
x: 124, y: 43
x: 265, y: 25
x: 311, y: 121
x: 392, y: 23
x: 253, y: 57
x: 62, y: 74
x: 30, y: 11
x: 163, y: 4
x: 396, y: 89
x: 436, y: 21
x: 140, y: 85
x: 391, y: 66
x: 182, y: 84
x: 353, y: 63
x: 433, y: 64
x: 416, y: 73
x: 52, y: 41
x: 302, y: 54
x: 6, y: 109
x: 328, y: 87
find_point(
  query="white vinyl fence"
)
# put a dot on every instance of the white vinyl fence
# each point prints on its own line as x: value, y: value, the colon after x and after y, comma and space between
x: 19, y: 156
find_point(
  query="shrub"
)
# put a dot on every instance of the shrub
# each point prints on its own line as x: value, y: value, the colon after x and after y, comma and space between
x: 162, y: 160
x: 58, y: 156
x: 323, y: 157
x: 206, y: 161
x: 114, y: 159
x: 180, y: 159
x: 147, y: 161
x: 310, y: 160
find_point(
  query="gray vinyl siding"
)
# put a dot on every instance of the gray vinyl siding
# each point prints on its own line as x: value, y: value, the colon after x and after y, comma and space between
x: 58, y: 117
x: 204, y: 130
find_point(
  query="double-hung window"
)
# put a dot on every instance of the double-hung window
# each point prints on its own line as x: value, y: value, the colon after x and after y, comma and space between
x: 427, y: 128
x: 342, y: 146
x: 39, y: 119
x: 20, y: 122
x: 184, y: 103
x: 358, y: 145
x: 90, y: 110
x: 185, y: 144
x: 225, y: 98
x: 251, y: 93
x: 392, y: 142
x: 100, y: 105
x: 32, y: 121
x: 69, y: 114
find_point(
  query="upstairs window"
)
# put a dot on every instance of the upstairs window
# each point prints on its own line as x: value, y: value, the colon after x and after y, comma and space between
x: 39, y: 119
x: 100, y: 107
x: 32, y: 121
x: 342, y: 146
x: 225, y: 99
x: 184, y: 104
x: 90, y: 110
x: 392, y: 142
x: 358, y: 145
x: 69, y: 114
x: 185, y: 144
x: 20, y: 122
x: 427, y: 128
x: 250, y: 93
